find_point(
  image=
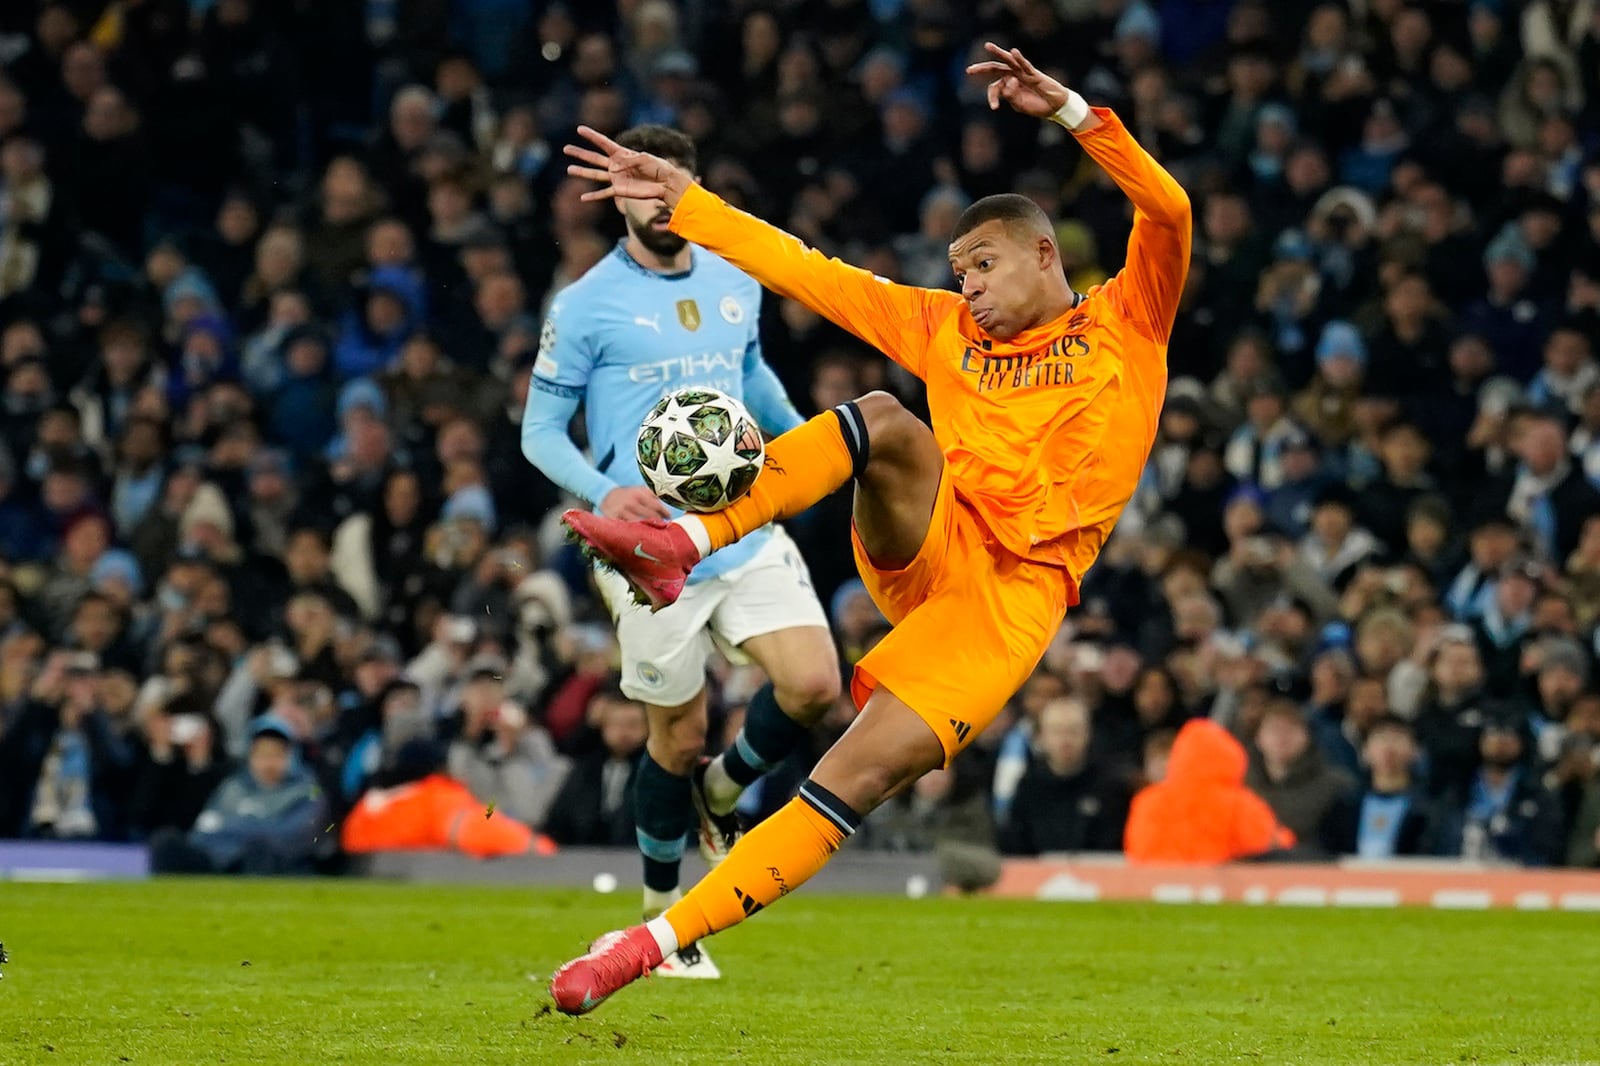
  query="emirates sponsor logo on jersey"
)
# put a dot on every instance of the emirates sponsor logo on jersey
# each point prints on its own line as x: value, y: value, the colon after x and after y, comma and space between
x: 1050, y: 365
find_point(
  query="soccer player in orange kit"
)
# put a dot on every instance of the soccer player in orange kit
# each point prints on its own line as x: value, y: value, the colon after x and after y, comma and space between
x: 971, y: 538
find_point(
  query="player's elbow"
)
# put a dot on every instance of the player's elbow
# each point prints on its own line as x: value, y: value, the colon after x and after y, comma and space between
x: 1179, y: 211
x: 1183, y: 206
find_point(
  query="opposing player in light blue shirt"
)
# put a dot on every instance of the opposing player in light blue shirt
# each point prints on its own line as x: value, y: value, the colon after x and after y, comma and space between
x: 655, y: 316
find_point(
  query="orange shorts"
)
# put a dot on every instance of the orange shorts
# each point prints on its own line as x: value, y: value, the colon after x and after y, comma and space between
x: 971, y: 622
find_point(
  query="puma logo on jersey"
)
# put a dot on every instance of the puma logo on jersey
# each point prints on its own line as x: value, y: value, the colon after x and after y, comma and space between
x: 653, y: 323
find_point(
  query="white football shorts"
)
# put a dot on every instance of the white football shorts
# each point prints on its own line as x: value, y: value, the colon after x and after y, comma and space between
x: 664, y: 655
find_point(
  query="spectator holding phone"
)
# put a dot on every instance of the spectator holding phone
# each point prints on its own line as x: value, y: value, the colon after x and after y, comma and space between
x: 505, y: 757
x: 182, y: 768
x: 64, y: 772
x: 1504, y: 814
x: 264, y: 819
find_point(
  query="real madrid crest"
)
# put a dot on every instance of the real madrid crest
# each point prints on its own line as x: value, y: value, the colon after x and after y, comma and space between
x: 732, y: 310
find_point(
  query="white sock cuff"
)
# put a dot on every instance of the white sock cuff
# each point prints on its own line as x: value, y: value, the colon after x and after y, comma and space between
x: 666, y: 938
x: 697, y: 533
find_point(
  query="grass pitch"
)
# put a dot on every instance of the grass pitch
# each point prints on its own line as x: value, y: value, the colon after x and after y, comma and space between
x: 298, y: 972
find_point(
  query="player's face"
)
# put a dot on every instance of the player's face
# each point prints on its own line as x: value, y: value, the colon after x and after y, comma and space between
x: 1001, y: 275
x: 647, y: 223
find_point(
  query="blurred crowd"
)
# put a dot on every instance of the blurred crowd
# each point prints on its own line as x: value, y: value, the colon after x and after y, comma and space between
x: 271, y: 284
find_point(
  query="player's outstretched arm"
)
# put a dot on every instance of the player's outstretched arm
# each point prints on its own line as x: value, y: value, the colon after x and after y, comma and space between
x: 1158, y: 249
x: 898, y: 320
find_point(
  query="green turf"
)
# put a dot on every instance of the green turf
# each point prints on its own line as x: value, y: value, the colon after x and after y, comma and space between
x: 295, y: 972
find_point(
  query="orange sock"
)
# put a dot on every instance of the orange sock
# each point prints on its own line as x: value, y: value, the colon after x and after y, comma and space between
x: 803, y: 465
x: 772, y: 860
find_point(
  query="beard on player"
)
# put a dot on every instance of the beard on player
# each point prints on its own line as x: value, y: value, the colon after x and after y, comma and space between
x: 654, y: 235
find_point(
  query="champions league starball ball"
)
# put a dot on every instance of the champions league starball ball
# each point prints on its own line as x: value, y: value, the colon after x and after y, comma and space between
x: 699, y: 450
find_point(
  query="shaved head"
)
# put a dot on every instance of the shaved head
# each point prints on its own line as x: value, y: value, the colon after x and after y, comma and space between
x: 1006, y: 263
x: 1023, y: 218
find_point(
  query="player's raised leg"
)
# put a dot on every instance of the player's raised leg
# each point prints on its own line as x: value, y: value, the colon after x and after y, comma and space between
x: 874, y: 433
x: 889, y: 745
x: 893, y: 456
x: 895, y: 495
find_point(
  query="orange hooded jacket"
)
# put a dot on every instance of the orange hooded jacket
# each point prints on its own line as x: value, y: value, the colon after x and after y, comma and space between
x: 435, y: 813
x: 1202, y: 813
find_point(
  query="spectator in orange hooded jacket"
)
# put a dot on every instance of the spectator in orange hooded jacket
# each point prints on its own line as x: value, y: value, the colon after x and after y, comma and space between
x: 1201, y: 812
x: 431, y: 811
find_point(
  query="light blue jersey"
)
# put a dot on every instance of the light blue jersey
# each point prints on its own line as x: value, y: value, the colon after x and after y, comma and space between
x: 620, y: 338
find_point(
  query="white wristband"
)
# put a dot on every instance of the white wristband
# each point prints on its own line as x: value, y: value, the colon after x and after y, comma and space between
x: 1073, y: 112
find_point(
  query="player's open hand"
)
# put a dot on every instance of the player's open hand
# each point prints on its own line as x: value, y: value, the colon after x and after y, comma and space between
x: 633, y: 503
x: 624, y: 172
x: 1019, y: 83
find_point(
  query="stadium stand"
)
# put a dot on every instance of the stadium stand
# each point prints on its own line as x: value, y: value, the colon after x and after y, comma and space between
x: 271, y: 285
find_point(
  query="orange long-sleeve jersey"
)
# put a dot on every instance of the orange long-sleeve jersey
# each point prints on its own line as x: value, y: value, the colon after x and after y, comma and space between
x: 1044, y: 435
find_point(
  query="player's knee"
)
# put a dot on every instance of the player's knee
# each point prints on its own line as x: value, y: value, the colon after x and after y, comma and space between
x: 676, y: 744
x: 676, y: 754
x: 885, y: 416
x: 896, y: 438
x: 871, y: 784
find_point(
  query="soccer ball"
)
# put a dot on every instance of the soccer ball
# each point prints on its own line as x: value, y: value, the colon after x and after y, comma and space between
x: 699, y: 450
